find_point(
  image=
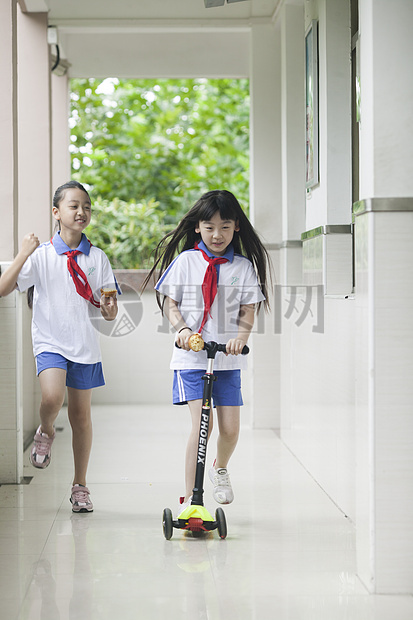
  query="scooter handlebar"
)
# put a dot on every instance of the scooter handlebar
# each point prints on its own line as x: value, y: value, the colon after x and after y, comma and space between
x: 209, y: 346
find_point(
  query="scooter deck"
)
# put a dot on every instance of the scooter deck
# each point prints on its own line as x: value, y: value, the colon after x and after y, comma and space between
x: 195, y: 518
x: 195, y: 511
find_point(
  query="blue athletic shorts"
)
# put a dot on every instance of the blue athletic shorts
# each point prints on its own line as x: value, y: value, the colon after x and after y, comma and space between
x: 78, y: 376
x: 226, y: 390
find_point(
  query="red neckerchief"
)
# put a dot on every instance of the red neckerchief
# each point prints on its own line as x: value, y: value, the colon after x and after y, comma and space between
x: 209, y: 285
x: 78, y: 276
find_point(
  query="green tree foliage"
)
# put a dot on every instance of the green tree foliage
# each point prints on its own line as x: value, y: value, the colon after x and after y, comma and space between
x: 158, y: 145
x: 128, y: 232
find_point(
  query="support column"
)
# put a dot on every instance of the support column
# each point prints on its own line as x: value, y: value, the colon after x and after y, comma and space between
x: 293, y: 132
x: 8, y: 128
x: 34, y: 126
x: 11, y: 464
x: 384, y: 285
x: 265, y: 201
x: 25, y: 187
x: 34, y: 110
x: 60, y: 131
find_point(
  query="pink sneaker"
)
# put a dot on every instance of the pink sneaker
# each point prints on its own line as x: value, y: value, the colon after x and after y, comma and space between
x: 80, y: 499
x: 41, y: 451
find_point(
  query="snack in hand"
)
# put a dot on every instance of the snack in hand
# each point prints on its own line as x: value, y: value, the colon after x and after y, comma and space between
x: 196, y: 342
x: 108, y: 292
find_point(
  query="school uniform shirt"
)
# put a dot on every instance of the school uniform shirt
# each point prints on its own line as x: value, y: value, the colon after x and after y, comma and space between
x: 237, y: 285
x: 61, y: 320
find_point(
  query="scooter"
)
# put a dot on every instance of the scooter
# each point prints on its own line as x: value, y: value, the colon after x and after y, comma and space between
x: 196, y: 518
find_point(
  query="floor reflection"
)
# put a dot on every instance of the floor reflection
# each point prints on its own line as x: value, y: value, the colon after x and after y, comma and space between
x: 44, y: 580
x: 289, y: 554
x: 81, y: 603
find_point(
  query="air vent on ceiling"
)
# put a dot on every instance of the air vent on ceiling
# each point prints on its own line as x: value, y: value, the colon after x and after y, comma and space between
x: 211, y: 3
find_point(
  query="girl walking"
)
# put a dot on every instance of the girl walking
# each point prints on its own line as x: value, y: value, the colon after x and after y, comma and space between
x: 212, y: 287
x: 67, y: 274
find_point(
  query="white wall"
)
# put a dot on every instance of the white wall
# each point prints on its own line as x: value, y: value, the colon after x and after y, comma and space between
x: 350, y: 386
x: 384, y: 230
x: 317, y: 356
x: 386, y: 147
x: 384, y: 396
x: 317, y: 395
x: 330, y: 201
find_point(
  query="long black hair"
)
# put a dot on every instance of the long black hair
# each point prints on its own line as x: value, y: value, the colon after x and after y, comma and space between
x: 57, y: 198
x: 245, y: 241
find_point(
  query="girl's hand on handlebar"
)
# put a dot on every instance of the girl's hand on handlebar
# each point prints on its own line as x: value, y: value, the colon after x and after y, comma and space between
x: 235, y: 346
x: 182, y: 339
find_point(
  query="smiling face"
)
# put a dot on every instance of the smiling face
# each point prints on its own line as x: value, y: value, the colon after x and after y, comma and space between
x: 217, y: 233
x: 73, y: 213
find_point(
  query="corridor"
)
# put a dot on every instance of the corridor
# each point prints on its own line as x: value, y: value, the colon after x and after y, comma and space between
x: 289, y: 554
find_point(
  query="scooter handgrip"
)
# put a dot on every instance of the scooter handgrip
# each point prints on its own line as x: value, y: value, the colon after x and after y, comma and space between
x: 223, y: 348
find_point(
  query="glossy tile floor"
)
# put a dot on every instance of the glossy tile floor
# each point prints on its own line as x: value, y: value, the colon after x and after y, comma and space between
x: 289, y: 554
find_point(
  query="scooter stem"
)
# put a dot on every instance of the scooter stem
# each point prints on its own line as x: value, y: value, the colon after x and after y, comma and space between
x: 198, y: 490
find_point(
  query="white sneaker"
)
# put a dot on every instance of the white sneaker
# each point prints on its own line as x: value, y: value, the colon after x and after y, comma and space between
x: 223, y: 493
x: 183, y: 505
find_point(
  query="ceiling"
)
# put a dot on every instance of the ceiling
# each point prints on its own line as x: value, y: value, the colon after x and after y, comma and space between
x: 155, y: 38
x: 150, y: 9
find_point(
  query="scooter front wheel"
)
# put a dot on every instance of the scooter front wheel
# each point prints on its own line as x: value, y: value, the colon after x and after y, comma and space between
x: 221, y: 523
x: 167, y: 523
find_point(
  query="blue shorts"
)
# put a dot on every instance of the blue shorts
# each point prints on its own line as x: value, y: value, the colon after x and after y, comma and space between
x: 78, y: 376
x: 226, y: 390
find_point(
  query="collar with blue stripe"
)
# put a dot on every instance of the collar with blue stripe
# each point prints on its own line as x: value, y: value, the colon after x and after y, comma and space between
x: 229, y: 254
x: 61, y: 247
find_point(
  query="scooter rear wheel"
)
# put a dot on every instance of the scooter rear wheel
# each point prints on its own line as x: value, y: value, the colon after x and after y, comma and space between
x: 221, y: 523
x: 167, y: 523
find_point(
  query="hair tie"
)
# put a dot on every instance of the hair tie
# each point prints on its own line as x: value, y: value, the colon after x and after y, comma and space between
x: 182, y: 329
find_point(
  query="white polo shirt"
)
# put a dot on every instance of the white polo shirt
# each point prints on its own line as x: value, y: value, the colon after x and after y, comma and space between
x: 237, y: 286
x: 61, y: 317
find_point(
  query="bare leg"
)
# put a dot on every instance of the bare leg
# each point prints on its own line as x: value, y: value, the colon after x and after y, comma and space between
x: 53, y: 387
x: 192, y: 445
x: 229, y: 425
x: 79, y: 412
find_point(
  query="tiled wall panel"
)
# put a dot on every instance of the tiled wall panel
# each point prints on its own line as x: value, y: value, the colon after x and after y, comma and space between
x: 8, y: 404
x: 384, y: 397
